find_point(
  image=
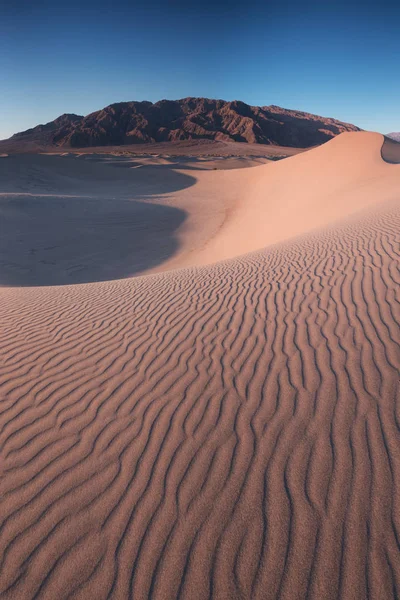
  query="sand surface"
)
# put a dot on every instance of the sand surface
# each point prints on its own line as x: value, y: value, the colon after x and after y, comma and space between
x: 181, y: 148
x: 391, y: 151
x: 224, y: 425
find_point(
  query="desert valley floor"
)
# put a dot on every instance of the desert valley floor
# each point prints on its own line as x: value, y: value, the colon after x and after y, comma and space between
x: 199, y: 376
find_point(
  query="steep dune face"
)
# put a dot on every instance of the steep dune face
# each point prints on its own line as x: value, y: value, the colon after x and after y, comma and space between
x: 301, y: 193
x: 391, y: 151
x: 227, y: 431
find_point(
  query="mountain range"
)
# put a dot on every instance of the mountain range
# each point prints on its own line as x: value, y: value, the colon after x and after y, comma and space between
x: 394, y: 136
x: 126, y: 123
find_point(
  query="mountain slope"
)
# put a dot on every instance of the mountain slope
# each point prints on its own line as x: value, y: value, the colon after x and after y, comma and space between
x: 394, y: 136
x: 189, y: 118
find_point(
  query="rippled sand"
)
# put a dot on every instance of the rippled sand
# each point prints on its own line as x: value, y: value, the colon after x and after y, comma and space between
x: 225, y: 425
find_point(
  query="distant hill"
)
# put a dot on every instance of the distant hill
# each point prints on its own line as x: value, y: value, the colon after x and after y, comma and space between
x: 394, y: 136
x: 187, y: 119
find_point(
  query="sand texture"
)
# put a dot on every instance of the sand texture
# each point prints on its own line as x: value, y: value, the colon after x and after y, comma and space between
x: 226, y: 424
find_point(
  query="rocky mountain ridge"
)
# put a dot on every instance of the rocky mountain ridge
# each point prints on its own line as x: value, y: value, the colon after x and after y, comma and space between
x: 126, y: 123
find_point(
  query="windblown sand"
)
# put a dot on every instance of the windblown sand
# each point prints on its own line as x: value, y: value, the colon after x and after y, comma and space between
x: 225, y: 428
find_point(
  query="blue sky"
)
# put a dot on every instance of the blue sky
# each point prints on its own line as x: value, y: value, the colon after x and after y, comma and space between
x: 335, y: 59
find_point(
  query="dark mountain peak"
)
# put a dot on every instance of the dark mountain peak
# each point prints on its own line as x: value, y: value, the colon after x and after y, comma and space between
x: 68, y: 118
x: 45, y: 130
x: 189, y: 118
x: 132, y: 104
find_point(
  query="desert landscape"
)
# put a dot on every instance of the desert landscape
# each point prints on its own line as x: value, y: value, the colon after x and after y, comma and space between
x: 199, y: 374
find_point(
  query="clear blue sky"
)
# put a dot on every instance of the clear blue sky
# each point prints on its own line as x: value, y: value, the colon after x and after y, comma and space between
x: 336, y: 59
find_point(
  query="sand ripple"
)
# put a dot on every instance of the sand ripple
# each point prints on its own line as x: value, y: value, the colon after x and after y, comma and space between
x: 216, y: 432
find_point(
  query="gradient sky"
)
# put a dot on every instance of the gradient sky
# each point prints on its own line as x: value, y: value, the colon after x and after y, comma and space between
x: 336, y: 59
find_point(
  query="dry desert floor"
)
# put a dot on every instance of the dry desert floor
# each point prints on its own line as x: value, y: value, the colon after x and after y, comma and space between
x: 199, y: 376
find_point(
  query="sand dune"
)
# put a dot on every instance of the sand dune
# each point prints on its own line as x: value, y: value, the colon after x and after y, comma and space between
x: 391, y: 151
x: 68, y: 219
x: 201, y: 148
x: 226, y: 430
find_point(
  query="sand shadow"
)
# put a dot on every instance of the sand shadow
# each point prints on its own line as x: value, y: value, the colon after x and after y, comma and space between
x: 59, y: 241
x: 190, y: 163
x: 68, y: 238
x: 390, y: 151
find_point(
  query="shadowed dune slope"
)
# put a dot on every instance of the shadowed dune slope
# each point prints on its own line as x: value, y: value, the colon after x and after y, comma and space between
x: 228, y: 431
x: 73, y: 220
x: 77, y: 219
x: 391, y: 150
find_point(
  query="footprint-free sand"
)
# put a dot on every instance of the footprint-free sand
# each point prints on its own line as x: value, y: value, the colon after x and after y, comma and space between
x: 199, y: 376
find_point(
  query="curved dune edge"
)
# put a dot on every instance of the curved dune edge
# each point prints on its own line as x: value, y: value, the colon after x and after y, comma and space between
x: 301, y: 194
x: 390, y: 151
x: 224, y: 431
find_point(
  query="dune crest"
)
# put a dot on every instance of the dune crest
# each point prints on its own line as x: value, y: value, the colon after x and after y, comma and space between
x: 301, y: 193
x: 225, y: 431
